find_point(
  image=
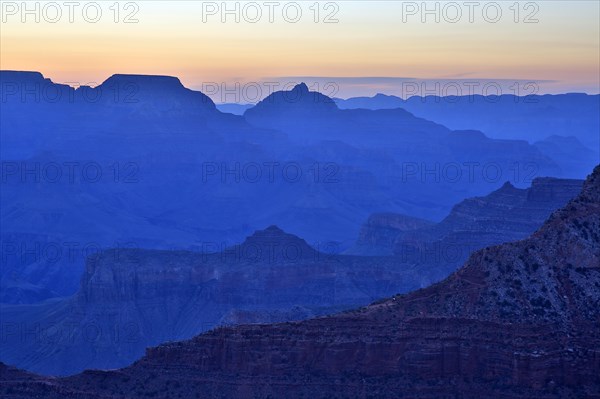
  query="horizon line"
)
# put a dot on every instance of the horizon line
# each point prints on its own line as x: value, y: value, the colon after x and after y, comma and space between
x: 331, y: 80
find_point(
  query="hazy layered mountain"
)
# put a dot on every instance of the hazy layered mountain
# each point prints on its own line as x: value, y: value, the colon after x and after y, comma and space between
x: 143, y: 162
x: 234, y: 108
x: 419, y: 160
x: 518, y: 320
x: 420, y: 148
x: 568, y: 152
x: 530, y: 117
x: 126, y: 131
x: 506, y: 214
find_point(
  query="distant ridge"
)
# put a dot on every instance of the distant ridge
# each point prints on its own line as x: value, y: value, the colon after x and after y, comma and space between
x: 119, y: 89
x: 298, y: 101
x: 163, y: 84
x: 21, y: 76
x: 530, y: 117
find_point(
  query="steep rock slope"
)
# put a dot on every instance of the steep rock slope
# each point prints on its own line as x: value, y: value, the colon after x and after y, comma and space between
x: 506, y: 214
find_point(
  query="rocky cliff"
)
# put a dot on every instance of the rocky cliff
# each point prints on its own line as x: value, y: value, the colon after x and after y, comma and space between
x: 519, y: 320
x: 506, y: 214
x: 130, y: 299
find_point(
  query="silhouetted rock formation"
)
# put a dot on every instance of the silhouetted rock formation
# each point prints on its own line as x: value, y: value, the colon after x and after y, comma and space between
x: 297, y: 102
x: 151, y: 94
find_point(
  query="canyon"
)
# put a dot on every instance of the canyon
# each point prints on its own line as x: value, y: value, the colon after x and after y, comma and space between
x: 518, y: 320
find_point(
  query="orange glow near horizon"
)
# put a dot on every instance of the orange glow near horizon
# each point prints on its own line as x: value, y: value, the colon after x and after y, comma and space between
x: 370, y: 39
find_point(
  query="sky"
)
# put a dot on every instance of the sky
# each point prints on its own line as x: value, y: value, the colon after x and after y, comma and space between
x: 343, y: 48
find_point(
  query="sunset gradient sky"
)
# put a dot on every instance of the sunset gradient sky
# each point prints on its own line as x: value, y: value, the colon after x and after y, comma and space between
x: 374, y: 39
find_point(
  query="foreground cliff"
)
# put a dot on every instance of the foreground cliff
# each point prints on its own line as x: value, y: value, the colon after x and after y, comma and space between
x: 519, y: 320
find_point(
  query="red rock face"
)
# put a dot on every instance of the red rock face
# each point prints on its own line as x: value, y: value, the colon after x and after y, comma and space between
x: 519, y: 320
